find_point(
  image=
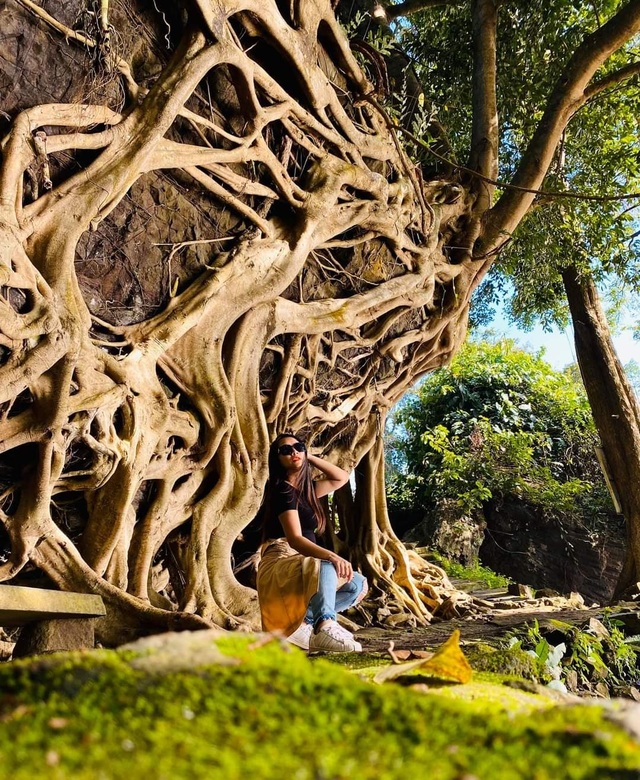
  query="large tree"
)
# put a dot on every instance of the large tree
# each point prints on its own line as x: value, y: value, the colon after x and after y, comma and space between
x: 324, y: 274
x: 570, y: 243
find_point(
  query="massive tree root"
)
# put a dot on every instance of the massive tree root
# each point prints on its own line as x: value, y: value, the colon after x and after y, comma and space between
x: 135, y: 446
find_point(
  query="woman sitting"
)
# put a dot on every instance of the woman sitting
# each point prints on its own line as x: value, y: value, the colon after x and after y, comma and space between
x: 301, y: 584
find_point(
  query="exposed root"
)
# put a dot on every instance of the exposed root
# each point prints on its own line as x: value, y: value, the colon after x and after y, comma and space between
x: 325, y: 300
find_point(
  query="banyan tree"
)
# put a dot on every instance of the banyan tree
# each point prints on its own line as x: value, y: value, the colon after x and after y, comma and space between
x: 210, y: 231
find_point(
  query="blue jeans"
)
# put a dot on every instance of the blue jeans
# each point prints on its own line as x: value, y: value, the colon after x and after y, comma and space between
x: 330, y: 599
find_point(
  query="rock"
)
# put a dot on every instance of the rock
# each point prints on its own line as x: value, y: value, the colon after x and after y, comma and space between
x: 571, y: 680
x: 595, y: 627
x: 576, y: 600
x: 523, y: 591
x: 523, y: 544
x: 456, y: 536
x: 179, y: 651
x: 627, y: 715
x: 523, y: 685
x: 50, y: 636
x: 628, y: 692
x: 546, y: 593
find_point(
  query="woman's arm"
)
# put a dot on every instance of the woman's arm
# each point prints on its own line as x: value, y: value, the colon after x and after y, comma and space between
x: 335, y: 476
x: 291, y: 524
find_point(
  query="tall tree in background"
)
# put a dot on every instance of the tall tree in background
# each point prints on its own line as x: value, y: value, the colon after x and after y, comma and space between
x: 210, y: 230
x: 567, y: 245
x: 577, y: 246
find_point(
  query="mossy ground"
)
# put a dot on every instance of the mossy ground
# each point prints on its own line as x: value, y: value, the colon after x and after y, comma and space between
x: 276, y: 714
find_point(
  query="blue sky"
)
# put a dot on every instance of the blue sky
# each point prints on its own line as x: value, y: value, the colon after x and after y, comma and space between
x: 558, y: 345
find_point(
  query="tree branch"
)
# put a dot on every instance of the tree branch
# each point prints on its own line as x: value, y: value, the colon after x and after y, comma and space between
x: 409, y: 7
x: 612, y: 80
x: 484, y: 132
x: 565, y: 99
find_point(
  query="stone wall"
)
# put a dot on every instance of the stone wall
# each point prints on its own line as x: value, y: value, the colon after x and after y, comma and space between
x: 519, y: 541
x: 540, y: 551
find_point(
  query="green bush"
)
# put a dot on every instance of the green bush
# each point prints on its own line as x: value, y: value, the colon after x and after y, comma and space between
x: 498, y: 424
x: 477, y: 572
x: 582, y: 657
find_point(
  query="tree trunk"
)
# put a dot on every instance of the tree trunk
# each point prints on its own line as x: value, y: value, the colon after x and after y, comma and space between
x: 615, y: 409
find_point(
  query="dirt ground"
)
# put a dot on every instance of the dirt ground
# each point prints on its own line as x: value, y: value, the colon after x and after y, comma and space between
x: 497, y: 622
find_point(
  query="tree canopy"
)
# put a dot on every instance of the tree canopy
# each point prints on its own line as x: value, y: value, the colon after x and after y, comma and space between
x: 596, y: 157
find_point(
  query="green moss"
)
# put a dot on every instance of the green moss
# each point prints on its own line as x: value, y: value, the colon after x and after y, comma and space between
x: 510, y: 662
x: 276, y: 714
x: 476, y: 573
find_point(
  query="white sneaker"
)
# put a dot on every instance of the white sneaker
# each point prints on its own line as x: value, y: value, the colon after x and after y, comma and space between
x: 332, y: 638
x: 300, y: 637
x: 348, y: 635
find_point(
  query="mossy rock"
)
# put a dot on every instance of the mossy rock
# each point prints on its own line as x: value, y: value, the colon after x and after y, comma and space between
x: 262, y: 710
x: 513, y: 661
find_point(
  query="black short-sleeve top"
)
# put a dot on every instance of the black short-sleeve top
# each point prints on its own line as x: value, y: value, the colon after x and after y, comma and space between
x: 286, y: 497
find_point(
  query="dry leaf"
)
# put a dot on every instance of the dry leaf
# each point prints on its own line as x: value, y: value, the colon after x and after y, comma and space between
x: 57, y: 723
x: 447, y: 663
x: 421, y: 654
x: 52, y: 758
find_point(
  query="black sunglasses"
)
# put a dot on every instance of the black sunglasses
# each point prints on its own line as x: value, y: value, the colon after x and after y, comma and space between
x: 287, y: 449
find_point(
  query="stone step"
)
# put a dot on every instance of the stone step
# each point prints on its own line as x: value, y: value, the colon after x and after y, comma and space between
x: 21, y: 605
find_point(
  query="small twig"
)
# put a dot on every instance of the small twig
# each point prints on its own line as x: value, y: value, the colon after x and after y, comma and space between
x: 179, y: 246
x: 390, y: 650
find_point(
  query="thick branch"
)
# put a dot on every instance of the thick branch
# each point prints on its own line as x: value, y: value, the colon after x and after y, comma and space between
x: 612, y: 80
x: 484, y: 133
x: 409, y: 7
x: 565, y: 99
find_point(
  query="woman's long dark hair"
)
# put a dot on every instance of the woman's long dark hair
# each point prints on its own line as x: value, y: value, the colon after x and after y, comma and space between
x: 303, y: 487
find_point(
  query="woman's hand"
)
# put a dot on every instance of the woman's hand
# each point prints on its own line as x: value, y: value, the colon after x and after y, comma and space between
x: 343, y: 568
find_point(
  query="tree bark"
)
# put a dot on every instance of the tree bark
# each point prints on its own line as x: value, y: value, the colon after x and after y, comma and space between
x: 615, y: 409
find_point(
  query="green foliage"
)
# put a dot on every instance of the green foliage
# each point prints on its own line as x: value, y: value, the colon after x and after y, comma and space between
x: 275, y: 714
x: 536, y: 38
x: 632, y: 369
x: 594, y: 654
x: 598, y: 154
x: 499, y: 424
x: 476, y: 573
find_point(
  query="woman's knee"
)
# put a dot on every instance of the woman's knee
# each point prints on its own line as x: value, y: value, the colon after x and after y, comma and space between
x: 363, y: 586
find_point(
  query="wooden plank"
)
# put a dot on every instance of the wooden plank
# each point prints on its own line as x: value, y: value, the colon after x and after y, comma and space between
x: 20, y: 605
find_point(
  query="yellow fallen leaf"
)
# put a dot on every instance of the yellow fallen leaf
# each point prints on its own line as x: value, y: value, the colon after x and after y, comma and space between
x: 447, y: 663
